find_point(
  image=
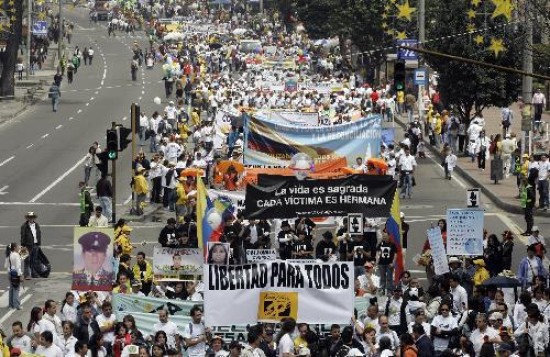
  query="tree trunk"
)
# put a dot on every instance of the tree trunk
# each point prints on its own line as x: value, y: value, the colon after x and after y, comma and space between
x: 7, y: 79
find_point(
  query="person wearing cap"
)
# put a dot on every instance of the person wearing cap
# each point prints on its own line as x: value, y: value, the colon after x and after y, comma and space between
x: 31, y: 236
x: 481, y: 274
x: 536, y: 327
x: 141, y: 188
x: 507, y: 249
x: 96, y: 270
x: 529, y: 267
x: 123, y: 244
x: 536, y: 240
x: 98, y: 219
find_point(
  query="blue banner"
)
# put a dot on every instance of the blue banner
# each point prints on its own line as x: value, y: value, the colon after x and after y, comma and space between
x: 274, y: 144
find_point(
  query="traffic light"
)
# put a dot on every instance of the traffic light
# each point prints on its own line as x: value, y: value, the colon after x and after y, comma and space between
x: 123, y: 137
x: 112, y: 144
x: 399, y: 72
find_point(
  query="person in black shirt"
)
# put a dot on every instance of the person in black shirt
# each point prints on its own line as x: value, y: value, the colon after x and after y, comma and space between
x: 302, y: 248
x: 404, y: 230
x: 285, y: 238
x: 326, y: 249
x: 344, y: 239
x: 306, y: 225
x: 360, y: 252
x: 167, y: 236
x: 385, y: 252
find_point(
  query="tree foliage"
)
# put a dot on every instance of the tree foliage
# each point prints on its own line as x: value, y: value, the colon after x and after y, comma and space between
x: 469, y: 88
x: 354, y: 20
x: 9, y: 57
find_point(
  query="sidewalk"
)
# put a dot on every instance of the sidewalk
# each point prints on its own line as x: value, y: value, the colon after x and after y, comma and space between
x: 30, y: 91
x: 504, y: 193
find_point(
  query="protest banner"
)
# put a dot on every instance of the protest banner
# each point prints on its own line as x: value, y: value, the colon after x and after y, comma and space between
x: 291, y: 117
x: 177, y: 263
x: 260, y: 255
x: 236, y: 197
x: 268, y: 142
x: 144, y: 310
x: 439, y: 258
x: 312, y: 293
x: 93, y: 259
x: 287, y: 197
x: 218, y: 253
x: 465, y: 231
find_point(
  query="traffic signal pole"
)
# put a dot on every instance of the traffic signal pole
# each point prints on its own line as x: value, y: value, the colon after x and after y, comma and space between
x: 134, y: 116
x: 113, y: 178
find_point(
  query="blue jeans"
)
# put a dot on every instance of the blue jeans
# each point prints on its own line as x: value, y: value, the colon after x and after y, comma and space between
x: 386, y: 278
x: 55, y: 104
x: 543, y: 193
x: 168, y: 200
x: 107, y: 206
x: 14, y: 301
x: 153, y: 143
x: 406, y: 184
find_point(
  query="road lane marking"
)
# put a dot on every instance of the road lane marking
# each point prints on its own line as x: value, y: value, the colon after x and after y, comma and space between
x: 3, y: 190
x: 30, y: 146
x: 127, y: 200
x: 87, y: 104
x: 124, y: 118
x: 59, y: 127
x: 45, y: 136
x: 79, y: 111
x: 71, y: 118
x: 7, y: 160
x: 59, y: 179
x: 11, y: 312
x: 92, y: 98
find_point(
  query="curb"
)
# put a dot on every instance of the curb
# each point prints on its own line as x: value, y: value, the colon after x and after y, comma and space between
x: 511, y: 208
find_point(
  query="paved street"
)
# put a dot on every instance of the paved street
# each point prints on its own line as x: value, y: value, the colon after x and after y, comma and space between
x: 41, y: 162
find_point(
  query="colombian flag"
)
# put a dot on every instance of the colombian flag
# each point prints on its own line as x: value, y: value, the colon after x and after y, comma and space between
x: 393, y: 228
x: 204, y: 231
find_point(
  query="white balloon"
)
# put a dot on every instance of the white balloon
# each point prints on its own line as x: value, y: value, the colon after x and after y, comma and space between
x: 213, y: 218
x: 157, y: 101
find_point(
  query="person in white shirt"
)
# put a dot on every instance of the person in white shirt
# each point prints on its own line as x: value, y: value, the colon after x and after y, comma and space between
x: 481, y: 147
x: 173, y: 150
x: 98, y: 219
x: 171, y: 113
x: 13, y: 264
x: 170, y: 328
x: 19, y: 339
x: 460, y: 296
x: 450, y: 163
x: 67, y: 341
x: 50, y: 307
x: 47, y: 348
x: 483, y: 333
x: 542, y: 186
x: 539, y: 103
x: 420, y: 318
x: 536, y: 327
x: 107, y: 322
x: 143, y: 127
x: 385, y: 331
x: 195, y: 334
x: 407, y: 165
x: 442, y: 324
x: 285, y: 345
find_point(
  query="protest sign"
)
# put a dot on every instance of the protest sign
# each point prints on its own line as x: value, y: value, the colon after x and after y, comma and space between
x: 222, y: 127
x: 177, y: 263
x: 292, y: 117
x: 287, y: 197
x: 236, y: 197
x: 144, y: 311
x: 93, y: 259
x: 465, y: 231
x: 312, y: 293
x: 260, y: 255
x: 268, y: 142
x: 218, y: 253
x: 439, y: 258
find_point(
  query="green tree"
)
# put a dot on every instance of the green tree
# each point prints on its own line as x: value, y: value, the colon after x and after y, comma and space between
x: 357, y: 21
x: 9, y: 57
x: 469, y: 88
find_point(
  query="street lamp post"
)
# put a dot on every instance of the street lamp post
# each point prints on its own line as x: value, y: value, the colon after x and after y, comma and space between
x: 29, y: 37
x: 60, y: 41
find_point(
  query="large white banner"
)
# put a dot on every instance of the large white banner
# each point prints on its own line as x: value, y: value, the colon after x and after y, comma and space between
x: 465, y: 231
x: 222, y: 127
x: 439, y: 258
x: 292, y: 117
x: 270, y: 291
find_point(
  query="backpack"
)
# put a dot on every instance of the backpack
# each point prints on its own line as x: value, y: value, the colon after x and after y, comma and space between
x: 454, y: 125
x: 161, y: 129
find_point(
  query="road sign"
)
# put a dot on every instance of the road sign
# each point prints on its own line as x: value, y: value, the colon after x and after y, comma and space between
x: 406, y: 54
x: 355, y: 223
x: 420, y: 77
x: 40, y: 28
x: 473, y: 197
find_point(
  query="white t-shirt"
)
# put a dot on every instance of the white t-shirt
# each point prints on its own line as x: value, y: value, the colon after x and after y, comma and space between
x: 478, y: 338
x: 193, y: 330
x: 544, y: 167
x: 102, y: 322
x: 407, y: 163
x: 69, y: 313
x: 444, y: 323
x: 23, y: 343
x: 171, y: 330
x: 285, y: 345
x: 52, y: 351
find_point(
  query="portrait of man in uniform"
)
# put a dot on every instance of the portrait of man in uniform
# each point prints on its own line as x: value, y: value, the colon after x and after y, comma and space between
x: 93, y: 262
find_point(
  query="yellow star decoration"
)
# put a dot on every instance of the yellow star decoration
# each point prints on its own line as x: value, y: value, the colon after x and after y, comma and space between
x: 12, y: 18
x: 476, y: 3
x: 471, y: 14
x: 470, y: 27
x: 504, y: 8
x: 479, y: 40
x: 11, y: 3
x: 41, y: 16
x: 401, y: 35
x: 384, y: 25
x: 393, y: 1
x: 384, y: 16
x: 387, y: 8
x: 390, y: 32
x: 497, y: 46
x: 405, y: 11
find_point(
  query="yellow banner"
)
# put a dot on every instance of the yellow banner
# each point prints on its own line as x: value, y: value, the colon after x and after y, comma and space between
x: 274, y: 306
